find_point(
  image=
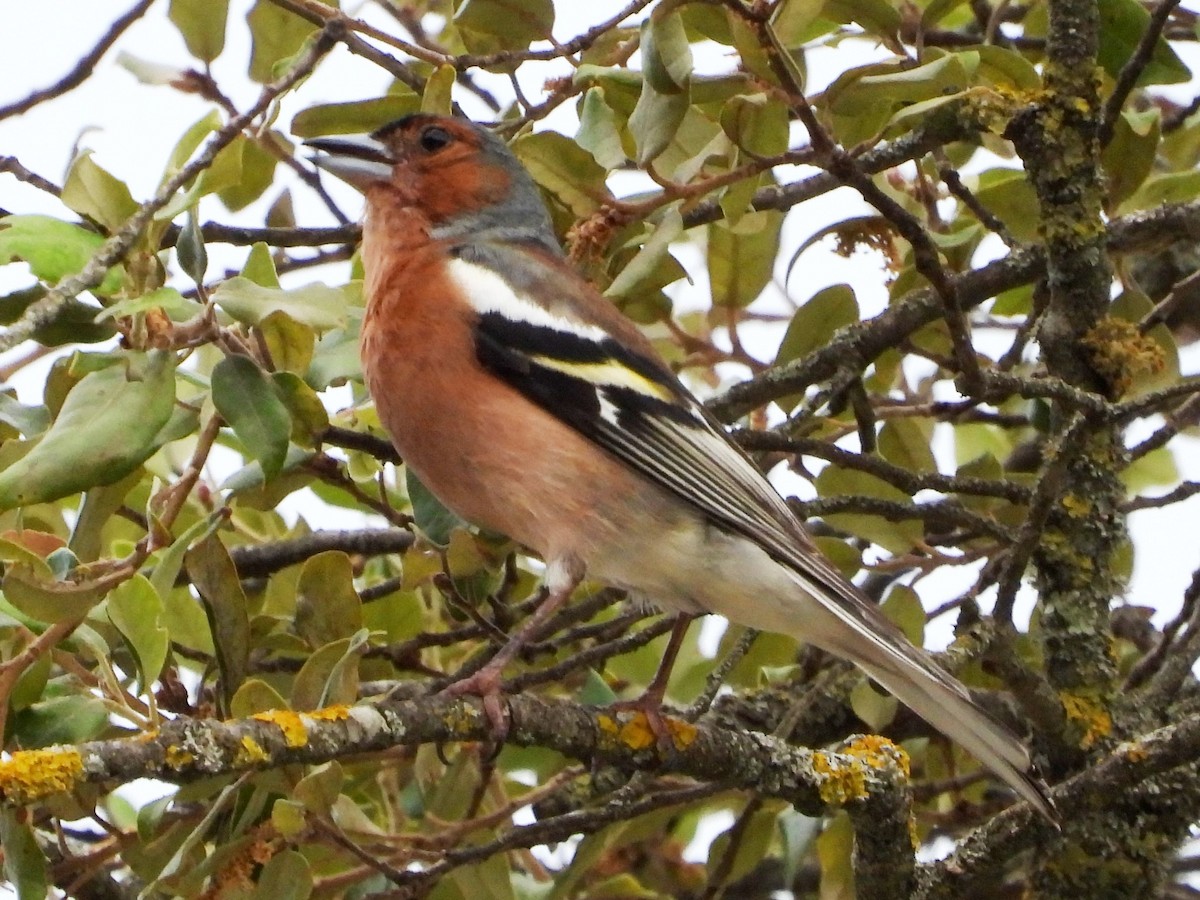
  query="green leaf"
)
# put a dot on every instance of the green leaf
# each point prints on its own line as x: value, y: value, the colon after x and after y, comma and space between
x: 666, y: 55
x: 906, y: 443
x: 741, y: 258
x: 189, y: 143
x: 245, y: 397
x: 215, y: 578
x: 202, y: 24
x: 73, y: 322
x: 29, y: 420
x: 1002, y: 67
x: 24, y: 862
x: 315, y: 305
x: 879, y: 17
x: 355, y: 116
x: 938, y: 10
x: 309, y: 417
x: 53, y: 249
x: 319, y: 789
x: 439, y: 88
x: 599, y: 132
x: 36, y: 592
x: 260, y: 267
x: 136, y: 609
x: 876, y: 709
x: 289, y: 343
x: 276, y: 36
x: 433, y: 519
x: 564, y: 169
x: 286, y: 876
x: 107, y: 427
x: 757, y: 123
x: 1007, y: 194
x: 792, y: 20
x: 903, y: 607
x: 488, y: 26
x: 897, y: 537
x: 169, y: 300
x: 835, y: 852
x: 330, y: 675
x: 948, y: 75
x: 327, y: 605
x: 1130, y: 156
x: 655, y: 120
x: 750, y: 842
x: 99, y: 504
x: 170, y: 560
x: 1174, y: 187
x: 91, y: 191
x: 255, y: 175
x: 336, y: 358
x: 816, y: 322
x: 1122, y: 24
x: 645, y: 265
x: 190, y: 249
x: 59, y: 720
x: 255, y: 696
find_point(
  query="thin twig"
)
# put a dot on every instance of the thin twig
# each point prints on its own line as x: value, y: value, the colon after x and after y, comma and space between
x: 82, y: 69
x: 44, y: 311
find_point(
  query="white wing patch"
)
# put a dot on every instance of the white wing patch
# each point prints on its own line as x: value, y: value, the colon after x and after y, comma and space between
x: 488, y: 292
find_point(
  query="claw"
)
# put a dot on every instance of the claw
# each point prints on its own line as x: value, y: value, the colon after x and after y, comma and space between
x: 485, y: 684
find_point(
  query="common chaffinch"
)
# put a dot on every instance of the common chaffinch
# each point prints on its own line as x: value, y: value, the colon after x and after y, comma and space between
x: 529, y: 405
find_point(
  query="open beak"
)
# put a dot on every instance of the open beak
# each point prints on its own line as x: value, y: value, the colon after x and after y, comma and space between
x: 358, y: 160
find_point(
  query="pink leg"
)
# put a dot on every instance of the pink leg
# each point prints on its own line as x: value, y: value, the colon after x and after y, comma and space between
x: 562, y: 577
x: 651, y: 701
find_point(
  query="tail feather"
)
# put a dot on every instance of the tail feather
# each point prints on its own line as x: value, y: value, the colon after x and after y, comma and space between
x: 946, y: 705
x: 850, y: 626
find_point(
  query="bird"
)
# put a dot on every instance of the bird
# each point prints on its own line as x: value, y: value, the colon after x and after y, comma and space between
x: 530, y: 406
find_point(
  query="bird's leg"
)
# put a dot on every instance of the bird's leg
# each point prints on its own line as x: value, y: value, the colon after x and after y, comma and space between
x: 651, y: 701
x: 562, y: 577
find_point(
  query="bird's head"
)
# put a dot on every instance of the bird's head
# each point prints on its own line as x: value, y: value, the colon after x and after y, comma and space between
x: 462, y: 179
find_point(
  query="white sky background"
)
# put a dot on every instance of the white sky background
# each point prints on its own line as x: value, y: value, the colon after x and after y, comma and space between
x: 132, y: 127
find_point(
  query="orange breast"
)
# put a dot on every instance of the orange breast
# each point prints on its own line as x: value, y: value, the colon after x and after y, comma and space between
x: 487, y: 452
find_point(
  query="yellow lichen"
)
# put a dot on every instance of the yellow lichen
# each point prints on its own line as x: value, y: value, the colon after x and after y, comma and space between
x: 839, y: 782
x: 1077, y: 507
x: 250, y: 752
x: 461, y: 718
x: 1121, y: 354
x: 290, y: 723
x: 1089, y: 716
x: 1136, y: 753
x: 610, y: 730
x: 331, y: 713
x: 639, y: 732
x: 683, y: 734
x: 178, y: 758
x: 29, y: 775
x: 879, y: 753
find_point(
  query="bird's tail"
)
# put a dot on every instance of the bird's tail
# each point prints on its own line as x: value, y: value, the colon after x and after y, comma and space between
x: 907, y: 672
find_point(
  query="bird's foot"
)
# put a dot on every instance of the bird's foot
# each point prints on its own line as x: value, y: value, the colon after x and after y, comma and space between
x: 650, y: 725
x: 485, y: 684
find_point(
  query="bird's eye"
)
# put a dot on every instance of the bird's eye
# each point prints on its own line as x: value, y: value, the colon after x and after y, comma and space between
x: 434, y: 138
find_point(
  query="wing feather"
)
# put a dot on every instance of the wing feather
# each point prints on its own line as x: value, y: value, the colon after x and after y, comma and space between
x: 635, y: 408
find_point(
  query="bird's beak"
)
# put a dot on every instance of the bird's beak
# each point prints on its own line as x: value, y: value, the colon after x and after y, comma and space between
x: 358, y: 160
